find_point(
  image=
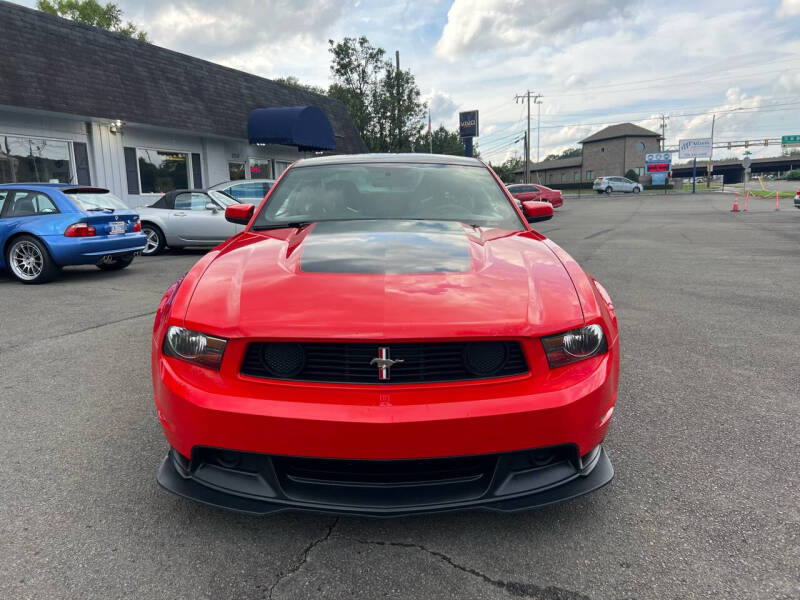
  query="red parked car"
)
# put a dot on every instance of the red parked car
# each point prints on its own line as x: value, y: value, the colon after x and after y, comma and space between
x: 529, y: 191
x: 386, y: 336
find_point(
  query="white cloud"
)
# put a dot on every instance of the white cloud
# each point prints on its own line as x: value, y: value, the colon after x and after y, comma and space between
x: 266, y: 38
x: 475, y: 26
x: 789, y: 8
x: 443, y: 109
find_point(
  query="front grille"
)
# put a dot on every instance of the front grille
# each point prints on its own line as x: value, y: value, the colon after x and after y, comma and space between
x: 422, y: 362
x: 384, y: 483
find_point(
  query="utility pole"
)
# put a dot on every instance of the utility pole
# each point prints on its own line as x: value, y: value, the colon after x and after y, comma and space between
x: 527, y: 158
x: 538, y: 103
x: 527, y: 97
x: 664, y: 119
x: 710, y: 167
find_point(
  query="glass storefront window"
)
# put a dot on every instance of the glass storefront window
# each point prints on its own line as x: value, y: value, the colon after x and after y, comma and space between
x: 162, y: 171
x: 34, y: 159
x: 260, y: 168
x: 235, y: 170
x: 280, y: 167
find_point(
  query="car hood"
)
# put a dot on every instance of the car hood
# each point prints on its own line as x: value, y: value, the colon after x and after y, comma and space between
x: 384, y: 279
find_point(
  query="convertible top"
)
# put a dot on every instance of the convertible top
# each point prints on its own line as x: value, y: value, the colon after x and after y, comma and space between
x: 168, y: 200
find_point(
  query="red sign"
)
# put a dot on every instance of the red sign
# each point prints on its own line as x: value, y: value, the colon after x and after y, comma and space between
x: 657, y: 167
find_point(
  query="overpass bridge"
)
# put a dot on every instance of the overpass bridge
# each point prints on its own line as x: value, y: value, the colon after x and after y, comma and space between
x: 733, y: 171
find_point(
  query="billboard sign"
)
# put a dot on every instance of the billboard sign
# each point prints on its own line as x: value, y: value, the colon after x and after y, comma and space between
x: 696, y: 148
x: 468, y: 124
x: 657, y: 167
x: 790, y: 140
x: 658, y: 157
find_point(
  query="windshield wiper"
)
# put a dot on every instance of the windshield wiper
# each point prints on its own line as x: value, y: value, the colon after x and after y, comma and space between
x: 98, y: 208
x: 290, y: 225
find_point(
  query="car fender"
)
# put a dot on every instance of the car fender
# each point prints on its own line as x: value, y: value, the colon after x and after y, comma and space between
x: 151, y: 215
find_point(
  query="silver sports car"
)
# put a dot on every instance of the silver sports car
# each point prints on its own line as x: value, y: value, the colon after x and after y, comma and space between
x: 183, y: 218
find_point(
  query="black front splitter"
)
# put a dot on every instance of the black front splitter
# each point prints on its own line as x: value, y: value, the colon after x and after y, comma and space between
x: 171, y: 479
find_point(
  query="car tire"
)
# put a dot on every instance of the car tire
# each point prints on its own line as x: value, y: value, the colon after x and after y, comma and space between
x: 29, y: 261
x: 155, y: 239
x: 609, y: 189
x: 117, y: 264
x: 636, y: 189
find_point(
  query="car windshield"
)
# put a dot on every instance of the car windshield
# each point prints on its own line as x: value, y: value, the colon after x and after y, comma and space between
x: 389, y: 191
x: 222, y: 198
x: 92, y: 201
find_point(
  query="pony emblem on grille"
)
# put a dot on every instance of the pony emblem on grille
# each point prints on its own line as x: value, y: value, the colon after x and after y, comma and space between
x: 384, y: 363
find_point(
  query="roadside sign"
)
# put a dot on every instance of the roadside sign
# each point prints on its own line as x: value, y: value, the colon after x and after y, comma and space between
x: 468, y: 124
x: 746, y: 162
x: 695, y: 148
x: 790, y: 140
x: 658, y: 157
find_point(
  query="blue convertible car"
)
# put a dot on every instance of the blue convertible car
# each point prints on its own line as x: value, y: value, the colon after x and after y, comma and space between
x: 44, y: 227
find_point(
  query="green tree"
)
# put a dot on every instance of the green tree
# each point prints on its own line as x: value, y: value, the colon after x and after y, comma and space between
x: 568, y: 153
x: 505, y: 170
x: 355, y: 69
x: 384, y: 102
x: 294, y: 82
x: 106, y: 16
x: 399, y: 112
x: 632, y: 175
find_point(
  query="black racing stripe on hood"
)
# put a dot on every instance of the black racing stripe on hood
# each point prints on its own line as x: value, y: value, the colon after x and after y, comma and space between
x: 386, y: 247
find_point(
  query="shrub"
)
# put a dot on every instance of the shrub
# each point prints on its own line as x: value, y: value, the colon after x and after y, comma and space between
x: 793, y: 175
x: 632, y: 175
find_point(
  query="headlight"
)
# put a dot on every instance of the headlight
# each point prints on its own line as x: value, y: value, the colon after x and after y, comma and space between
x: 574, y: 345
x: 194, y: 347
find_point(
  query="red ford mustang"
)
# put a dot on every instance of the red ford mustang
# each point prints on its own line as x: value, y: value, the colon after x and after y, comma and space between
x: 528, y: 191
x: 387, y: 336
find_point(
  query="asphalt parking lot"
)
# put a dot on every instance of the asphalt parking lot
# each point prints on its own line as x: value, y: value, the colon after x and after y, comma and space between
x: 704, y: 441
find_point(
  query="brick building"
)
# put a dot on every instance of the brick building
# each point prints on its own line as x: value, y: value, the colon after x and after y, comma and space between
x: 611, y: 151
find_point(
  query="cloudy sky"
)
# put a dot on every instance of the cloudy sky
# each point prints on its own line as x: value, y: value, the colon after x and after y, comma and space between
x: 595, y: 62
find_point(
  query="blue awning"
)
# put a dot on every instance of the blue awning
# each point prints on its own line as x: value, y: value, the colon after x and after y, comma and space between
x: 306, y: 127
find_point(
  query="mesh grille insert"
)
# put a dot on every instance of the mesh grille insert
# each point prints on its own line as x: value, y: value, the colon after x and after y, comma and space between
x: 350, y: 363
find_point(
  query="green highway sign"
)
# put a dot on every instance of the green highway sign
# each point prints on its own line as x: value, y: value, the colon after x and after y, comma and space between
x: 790, y: 140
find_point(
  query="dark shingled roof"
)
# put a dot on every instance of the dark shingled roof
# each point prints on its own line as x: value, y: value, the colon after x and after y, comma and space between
x: 54, y: 64
x: 558, y: 163
x: 621, y: 130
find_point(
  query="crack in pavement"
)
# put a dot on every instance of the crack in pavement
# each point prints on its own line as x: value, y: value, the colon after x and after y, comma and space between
x: 303, y: 560
x: 515, y: 588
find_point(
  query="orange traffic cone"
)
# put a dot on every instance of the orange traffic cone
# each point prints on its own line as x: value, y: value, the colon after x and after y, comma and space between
x: 735, y: 204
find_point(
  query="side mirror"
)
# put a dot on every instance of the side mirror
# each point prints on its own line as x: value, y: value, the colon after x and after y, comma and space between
x: 239, y: 213
x: 212, y: 207
x: 537, y: 211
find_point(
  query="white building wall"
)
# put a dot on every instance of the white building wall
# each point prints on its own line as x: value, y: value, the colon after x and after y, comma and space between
x: 106, y: 149
x: 14, y: 122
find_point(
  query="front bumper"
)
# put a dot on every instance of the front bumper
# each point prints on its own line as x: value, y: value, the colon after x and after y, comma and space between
x: 263, y: 484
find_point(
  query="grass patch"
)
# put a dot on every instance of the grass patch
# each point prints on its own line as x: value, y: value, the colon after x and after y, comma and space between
x: 771, y: 194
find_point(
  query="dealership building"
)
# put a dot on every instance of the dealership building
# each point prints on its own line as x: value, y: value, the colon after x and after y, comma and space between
x: 612, y: 151
x: 85, y: 106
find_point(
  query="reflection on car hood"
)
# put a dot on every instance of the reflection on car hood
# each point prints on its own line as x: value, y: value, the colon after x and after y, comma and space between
x: 385, y: 279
